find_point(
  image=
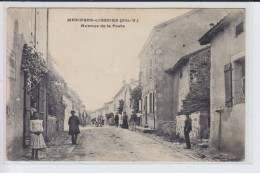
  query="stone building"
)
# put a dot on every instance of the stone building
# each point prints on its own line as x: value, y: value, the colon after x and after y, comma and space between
x: 110, y: 107
x: 167, y: 43
x: 124, y: 94
x: 227, y: 39
x: 191, y: 93
x: 25, y: 26
x: 128, y: 108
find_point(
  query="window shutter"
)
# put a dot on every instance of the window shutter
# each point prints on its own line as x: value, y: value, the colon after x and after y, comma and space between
x: 153, y: 102
x: 228, y: 85
x: 148, y: 104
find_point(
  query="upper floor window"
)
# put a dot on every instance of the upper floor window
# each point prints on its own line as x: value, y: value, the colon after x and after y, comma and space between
x: 180, y: 73
x: 151, y: 68
x: 239, y: 28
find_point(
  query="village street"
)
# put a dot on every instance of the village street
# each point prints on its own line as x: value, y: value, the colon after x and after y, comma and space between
x: 116, y: 144
x: 109, y: 144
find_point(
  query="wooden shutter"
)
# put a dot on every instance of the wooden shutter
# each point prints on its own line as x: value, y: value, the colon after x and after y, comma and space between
x: 153, y: 102
x: 42, y: 105
x: 148, y: 104
x: 228, y: 85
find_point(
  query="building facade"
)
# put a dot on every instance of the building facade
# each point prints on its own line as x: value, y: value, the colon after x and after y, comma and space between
x: 167, y: 43
x: 191, y: 93
x: 227, y: 39
x: 18, y: 102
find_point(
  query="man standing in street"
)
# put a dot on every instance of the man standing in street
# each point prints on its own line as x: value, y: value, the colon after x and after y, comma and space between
x: 74, y: 127
x: 116, y: 119
x: 133, y: 120
x: 187, y: 129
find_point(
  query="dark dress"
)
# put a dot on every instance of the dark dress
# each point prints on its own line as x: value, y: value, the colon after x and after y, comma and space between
x: 116, y: 120
x: 74, y: 125
x: 125, y: 123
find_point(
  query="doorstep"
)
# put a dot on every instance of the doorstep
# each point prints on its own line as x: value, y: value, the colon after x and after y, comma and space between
x: 144, y: 130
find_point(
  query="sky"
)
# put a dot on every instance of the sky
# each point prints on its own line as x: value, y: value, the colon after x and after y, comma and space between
x: 95, y: 61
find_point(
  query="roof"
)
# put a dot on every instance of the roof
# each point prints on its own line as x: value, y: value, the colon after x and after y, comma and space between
x: 109, y: 102
x: 123, y: 87
x: 220, y: 26
x: 185, y: 59
x: 164, y: 24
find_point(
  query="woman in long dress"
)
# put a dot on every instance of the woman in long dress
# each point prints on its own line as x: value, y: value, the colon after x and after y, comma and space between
x: 125, y: 121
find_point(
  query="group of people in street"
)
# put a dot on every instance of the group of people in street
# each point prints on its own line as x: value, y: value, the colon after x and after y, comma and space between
x: 36, y: 129
x: 124, y: 125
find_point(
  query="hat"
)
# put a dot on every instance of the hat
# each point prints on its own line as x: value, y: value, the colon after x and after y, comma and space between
x: 72, y: 111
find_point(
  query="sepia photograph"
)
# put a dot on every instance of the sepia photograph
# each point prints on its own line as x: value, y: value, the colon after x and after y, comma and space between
x: 125, y: 84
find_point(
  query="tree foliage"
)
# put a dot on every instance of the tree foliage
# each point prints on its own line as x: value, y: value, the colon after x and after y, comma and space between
x: 109, y: 115
x: 121, y: 106
x: 198, y: 98
x: 57, y: 88
x: 34, y: 66
x: 136, y: 95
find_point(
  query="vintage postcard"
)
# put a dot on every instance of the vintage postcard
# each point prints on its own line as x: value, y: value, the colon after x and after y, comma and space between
x: 125, y: 84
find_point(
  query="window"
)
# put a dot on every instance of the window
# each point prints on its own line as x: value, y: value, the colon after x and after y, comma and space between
x: 235, y: 82
x: 151, y: 68
x: 239, y: 28
x: 180, y: 73
x: 151, y: 102
x: 239, y: 80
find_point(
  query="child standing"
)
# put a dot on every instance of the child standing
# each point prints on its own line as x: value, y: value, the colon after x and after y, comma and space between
x: 37, y: 140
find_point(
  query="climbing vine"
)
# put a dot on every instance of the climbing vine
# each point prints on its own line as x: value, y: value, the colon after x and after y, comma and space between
x: 34, y: 66
x: 198, y: 98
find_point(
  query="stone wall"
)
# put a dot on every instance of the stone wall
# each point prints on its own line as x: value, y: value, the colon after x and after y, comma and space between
x: 52, y: 126
x: 198, y: 98
x: 200, y: 128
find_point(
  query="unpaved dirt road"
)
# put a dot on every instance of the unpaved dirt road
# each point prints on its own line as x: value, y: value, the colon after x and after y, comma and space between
x: 114, y: 144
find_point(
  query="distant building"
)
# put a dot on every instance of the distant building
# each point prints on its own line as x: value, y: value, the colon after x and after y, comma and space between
x: 112, y: 106
x: 125, y: 94
x: 167, y: 43
x: 227, y: 39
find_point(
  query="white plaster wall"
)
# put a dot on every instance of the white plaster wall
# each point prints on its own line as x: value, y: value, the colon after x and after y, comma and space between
x: 232, y: 134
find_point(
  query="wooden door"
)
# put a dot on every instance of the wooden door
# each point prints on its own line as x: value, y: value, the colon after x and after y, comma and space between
x: 26, y: 116
x: 42, y: 105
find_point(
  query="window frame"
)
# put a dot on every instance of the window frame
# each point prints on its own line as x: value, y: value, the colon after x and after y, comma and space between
x: 234, y: 60
x: 239, y: 29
